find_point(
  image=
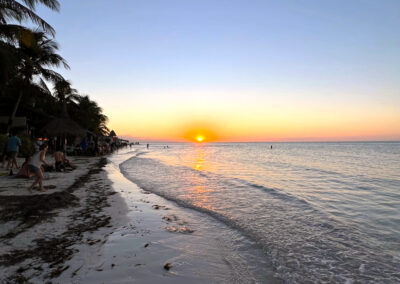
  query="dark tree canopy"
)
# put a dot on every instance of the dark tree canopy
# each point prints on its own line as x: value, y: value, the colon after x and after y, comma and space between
x: 29, y: 84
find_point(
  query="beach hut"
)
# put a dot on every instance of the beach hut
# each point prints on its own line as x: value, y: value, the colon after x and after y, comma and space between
x: 62, y: 127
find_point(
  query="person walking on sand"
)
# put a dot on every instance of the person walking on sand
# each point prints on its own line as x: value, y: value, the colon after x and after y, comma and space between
x: 34, y: 167
x: 13, y: 144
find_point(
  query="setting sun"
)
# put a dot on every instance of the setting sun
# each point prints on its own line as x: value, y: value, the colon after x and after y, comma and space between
x: 199, y: 138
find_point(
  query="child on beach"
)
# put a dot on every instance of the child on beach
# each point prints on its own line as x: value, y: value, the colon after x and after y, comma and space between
x: 34, y: 167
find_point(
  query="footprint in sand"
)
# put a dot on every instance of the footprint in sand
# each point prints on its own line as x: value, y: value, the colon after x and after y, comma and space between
x: 160, y: 207
x: 170, y: 218
x: 182, y: 229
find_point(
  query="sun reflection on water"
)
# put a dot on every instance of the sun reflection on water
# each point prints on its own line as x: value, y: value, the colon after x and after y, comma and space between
x: 200, y: 160
x: 199, y: 192
x: 200, y: 197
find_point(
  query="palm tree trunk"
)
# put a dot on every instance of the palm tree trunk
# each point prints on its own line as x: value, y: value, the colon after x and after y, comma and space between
x: 64, y: 111
x: 12, y: 117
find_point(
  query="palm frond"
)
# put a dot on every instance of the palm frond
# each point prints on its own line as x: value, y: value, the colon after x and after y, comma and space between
x: 51, y: 75
x: 52, y: 4
x: 15, y: 33
x: 44, y: 86
x: 12, y: 10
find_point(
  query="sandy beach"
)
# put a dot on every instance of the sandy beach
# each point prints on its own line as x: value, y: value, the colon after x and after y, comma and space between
x: 213, y: 142
x: 98, y: 224
x: 94, y: 226
x: 41, y: 231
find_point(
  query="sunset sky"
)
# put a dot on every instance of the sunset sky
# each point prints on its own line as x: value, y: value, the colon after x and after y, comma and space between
x: 237, y: 70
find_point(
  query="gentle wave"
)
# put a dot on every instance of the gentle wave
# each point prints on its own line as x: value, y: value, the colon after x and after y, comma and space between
x: 302, y: 238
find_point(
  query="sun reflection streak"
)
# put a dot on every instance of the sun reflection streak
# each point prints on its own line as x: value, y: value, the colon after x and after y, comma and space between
x: 199, y: 191
x: 199, y: 195
x: 200, y: 160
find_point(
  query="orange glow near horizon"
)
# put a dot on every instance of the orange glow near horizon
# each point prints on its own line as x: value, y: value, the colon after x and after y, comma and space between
x: 257, y: 124
x: 198, y: 132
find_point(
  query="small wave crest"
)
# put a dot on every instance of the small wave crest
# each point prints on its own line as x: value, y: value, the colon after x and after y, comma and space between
x: 303, y: 242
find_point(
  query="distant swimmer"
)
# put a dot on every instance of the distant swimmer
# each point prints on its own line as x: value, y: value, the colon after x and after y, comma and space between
x: 147, y: 146
x: 271, y: 146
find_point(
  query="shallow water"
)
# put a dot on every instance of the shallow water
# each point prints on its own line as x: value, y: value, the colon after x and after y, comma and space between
x: 199, y: 248
x: 320, y: 211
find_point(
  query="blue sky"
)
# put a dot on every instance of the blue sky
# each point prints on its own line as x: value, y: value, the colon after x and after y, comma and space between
x: 175, y: 56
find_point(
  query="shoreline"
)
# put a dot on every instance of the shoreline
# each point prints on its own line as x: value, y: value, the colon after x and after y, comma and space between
x: 111, y: 231
x: 195, y: 247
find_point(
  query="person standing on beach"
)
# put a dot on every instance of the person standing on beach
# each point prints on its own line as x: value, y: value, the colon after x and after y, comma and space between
x: 13, y: 144
x: 34, y: 167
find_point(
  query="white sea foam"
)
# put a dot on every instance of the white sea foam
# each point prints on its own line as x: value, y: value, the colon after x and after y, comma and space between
x: 317, y: 209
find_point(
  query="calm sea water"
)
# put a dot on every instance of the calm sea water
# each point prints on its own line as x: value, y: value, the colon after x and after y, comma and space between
x: 319, y: 211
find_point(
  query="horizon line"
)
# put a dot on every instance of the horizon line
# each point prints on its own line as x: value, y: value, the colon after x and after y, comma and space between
x: 276, y: 141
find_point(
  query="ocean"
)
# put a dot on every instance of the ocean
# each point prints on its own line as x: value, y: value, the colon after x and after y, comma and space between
x: 318, y: 212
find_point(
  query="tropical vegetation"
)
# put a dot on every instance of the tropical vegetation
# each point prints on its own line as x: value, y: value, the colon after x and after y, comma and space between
x: 30, y: 85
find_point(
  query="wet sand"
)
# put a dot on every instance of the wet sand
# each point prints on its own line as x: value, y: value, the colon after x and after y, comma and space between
x: 166, y: 243
x: 92, y: 225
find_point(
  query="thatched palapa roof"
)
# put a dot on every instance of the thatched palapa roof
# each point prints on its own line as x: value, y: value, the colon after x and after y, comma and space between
x: 63, y: 126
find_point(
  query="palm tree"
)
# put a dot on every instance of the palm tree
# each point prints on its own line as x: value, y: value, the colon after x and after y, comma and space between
x: 65, y: 94
x: 15, y: 11
x: 14, y: 40
x: 63, y: 126
x: 11, y: 34
x: 36, y: 57
x: 8, y: 63
x: 91, y: 116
